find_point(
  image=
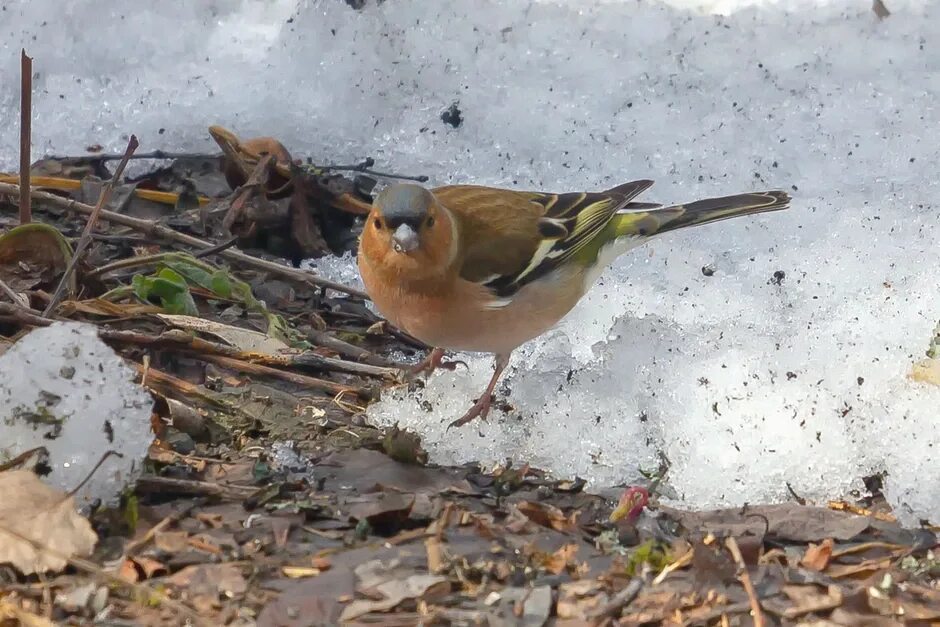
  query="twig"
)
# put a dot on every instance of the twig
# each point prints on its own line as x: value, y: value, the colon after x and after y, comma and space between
x: 13, y: 296
x: 23, y: 457
x: 149, y: 484
x: 745, y: 579
x: 85, y: 239
x: 24, y: 316
x: 620, y: 600
x: 200, y: 347
x: 346, y: 349
x: 92, y: 472
x: 365, y: 166
x: 190, y: 343
x: 26, y: 116
x: 155, y: 229
x: 216, y: 249
x: 155, y: 154
x: 131, y: 547
x: 299, y: 379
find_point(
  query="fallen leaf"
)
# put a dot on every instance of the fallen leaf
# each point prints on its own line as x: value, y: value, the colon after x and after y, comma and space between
x: 22, y: 618
x: 297, y: 572
x: 786, y: 521
x: 817, y: 556
x: 210, y: 580
x: 926, y: 371
x: 840, y: 571
x: 804, y: 600
x: 245, y: 340
x: 34, y: 255
x: 309, y: 601
x: 546, y: 515
x: 579, y: 599
x: 381, y: 508
x: 397, y: 590
x: 31, y: 509
x: 171, y: 541
x: 557, y: 562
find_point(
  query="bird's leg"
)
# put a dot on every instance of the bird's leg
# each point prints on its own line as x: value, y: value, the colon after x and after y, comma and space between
x: 432, y: 362
x: 482, y: 406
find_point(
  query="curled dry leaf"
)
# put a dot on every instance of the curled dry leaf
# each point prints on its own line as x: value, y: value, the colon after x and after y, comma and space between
x: 817, y: 556
x: 34, y: 255
x: 30, y: 509
x: 547, y: 516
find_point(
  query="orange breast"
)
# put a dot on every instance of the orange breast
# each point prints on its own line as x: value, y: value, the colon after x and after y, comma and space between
x: 459, y: 315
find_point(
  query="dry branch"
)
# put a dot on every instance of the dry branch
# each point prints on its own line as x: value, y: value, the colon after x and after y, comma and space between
x: 26, y: 116
x: 154, y: 229
x: 85, y: 239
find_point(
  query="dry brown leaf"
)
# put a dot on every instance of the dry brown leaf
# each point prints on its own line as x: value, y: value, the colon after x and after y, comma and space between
x: 839, y: 571
x: 557, y: 562
x: 210, y: 580
x: 817, y: 556
x: 396, y: 591
x: 804, y: 600
x: 245, y: 340
x: 171, y: 541
x: 926, y: 371
x: 23, y: 618
x: 31, y: 509
x: 546, y: 515
x: 579, y: 599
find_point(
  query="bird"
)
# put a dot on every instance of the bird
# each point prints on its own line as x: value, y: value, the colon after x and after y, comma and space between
x: 473, y: 268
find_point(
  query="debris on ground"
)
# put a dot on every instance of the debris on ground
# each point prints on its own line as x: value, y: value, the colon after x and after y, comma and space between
x: 235, y: 386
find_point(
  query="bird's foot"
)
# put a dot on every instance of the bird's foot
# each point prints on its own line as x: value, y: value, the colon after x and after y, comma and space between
x: 479, y: 410
x: 432, y: 362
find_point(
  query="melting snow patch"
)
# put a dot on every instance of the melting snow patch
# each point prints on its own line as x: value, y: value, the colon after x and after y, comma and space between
x: 62, y: 388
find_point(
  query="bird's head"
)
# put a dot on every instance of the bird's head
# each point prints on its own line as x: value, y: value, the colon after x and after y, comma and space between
x: 410, y: 233
x: 631, y: 504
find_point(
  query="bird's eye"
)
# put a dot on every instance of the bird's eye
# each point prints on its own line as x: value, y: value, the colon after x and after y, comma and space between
x: 430, y: 221
x: 377, y: 223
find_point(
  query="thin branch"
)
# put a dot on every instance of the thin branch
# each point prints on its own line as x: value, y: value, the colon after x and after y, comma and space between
x: 185, y: 341
x: 292, y: 377
x: 13, y: 296
x: 365, y: 168
x: 756, y: 614
x: 26, y: 116
x: 619, y: 601
x: 156, y: 154
x: 85, y: 239
x: 216, y: 249
x: 155, y: 229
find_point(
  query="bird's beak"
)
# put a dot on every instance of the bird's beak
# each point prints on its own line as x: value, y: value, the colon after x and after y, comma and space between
x: 405, y: 239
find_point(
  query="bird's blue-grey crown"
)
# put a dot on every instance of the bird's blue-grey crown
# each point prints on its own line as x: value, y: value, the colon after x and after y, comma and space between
x: 404, y: 203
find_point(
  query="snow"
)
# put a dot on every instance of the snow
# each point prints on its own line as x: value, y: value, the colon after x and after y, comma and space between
x: 64, y: 389
x: 746, y: 382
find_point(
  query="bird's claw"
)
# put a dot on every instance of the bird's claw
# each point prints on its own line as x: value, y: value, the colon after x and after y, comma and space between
x: 479, y: 410
x: 452, y: 365
x: 432, y: 362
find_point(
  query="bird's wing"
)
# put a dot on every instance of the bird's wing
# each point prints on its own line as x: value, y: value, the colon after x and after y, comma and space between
x: 510, y: 238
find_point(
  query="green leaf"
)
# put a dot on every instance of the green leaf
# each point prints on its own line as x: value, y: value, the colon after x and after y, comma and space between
x: 182, y: 304
x: 221, y: 284
x: 141, y: 286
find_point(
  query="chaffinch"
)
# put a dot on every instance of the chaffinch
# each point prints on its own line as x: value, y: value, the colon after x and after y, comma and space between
x: 481, y: 269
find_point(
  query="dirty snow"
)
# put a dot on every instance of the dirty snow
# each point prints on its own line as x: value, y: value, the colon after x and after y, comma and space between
x: 787, y: 365
x: 64, y: 389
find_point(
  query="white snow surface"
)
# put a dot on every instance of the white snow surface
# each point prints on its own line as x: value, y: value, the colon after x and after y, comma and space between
x: 745, y: 384
x: 62, y: 388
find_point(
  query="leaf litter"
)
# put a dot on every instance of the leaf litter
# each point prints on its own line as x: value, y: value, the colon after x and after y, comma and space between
x: 268, y: 500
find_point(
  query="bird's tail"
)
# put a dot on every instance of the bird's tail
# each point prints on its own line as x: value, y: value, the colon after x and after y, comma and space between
x: 656, y: 221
